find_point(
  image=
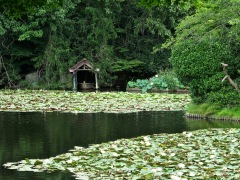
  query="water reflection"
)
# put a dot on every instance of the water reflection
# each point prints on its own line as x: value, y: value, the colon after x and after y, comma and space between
x: 42, y: 135
x: 194, y: 124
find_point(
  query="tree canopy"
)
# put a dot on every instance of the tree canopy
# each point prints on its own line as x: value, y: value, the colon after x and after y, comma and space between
x: 117, y: 36
x: 17, y: 8
x: 186, y: 4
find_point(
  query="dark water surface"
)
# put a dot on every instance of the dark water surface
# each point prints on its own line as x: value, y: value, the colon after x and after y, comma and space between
x: 43, y: 135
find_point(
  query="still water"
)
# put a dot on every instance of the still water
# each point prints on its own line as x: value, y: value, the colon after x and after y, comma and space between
x: 43, y: 135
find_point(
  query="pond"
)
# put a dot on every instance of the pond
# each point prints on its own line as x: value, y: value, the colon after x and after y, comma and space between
x: 43, y: 135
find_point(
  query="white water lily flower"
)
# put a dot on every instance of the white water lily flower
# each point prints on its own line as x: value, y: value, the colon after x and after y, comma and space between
x: 114, y: 146
x: 75, y: 158
x: 145, y: 138
x: 159, y: 169
x: 115, y: 154
x: 173, y: 177
x: 81, y: 175
x: 179, y: 173
x: 26, y: 168
x: 78, y: 148
x: 163, y: 154
x: 102, y: 151
x: 189, y: 134
x: 180, y: 144
x: 156, y: 170
x: 47, y: 161
x: 192, y: 174
x: 37, y: 170
x: 71, y: 169
x: 8, y: 164
x: 148, y: 143
x: 201, y: 163
x: 156, y: 75
x: 181, y: 165
x: 68, y: 154
x: 14, y: 167
x: 151, y: 83
x: 212, y: 156
x: 230, y: 131
x: 225, y: 168
x: 172, y: 154
x: 69, y: 161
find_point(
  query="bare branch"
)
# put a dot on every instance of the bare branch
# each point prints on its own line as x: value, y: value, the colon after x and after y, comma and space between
x: 6, y: 72
x: 228, y: 77
x: 6, y: 46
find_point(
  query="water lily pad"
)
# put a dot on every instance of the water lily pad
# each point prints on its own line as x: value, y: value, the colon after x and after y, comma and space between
x: 159, y: 156
x: 77, y: 102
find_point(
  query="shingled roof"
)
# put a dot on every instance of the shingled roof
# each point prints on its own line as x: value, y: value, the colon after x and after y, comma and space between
x: 84, y: 62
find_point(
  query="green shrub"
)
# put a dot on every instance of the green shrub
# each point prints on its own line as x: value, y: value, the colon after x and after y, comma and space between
x: 202, y: 43
x: 204, y: 74
x: 225, y: 97
x: 165, y: 80
x: 132, y: 84
x: 142, y: 84
x: 170, y: 78
x: 159, y: 83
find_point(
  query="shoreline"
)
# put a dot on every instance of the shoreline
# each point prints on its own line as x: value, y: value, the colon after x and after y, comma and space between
x: 212, y: 117
x: 212, y: 112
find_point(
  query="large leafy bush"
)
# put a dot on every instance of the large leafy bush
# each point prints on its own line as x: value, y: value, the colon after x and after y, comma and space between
x: 165, y: 80
x: 202, y: 42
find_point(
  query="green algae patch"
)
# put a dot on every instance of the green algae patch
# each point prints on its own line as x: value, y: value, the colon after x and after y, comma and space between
x: 79, y: 102
x: 202, y: 154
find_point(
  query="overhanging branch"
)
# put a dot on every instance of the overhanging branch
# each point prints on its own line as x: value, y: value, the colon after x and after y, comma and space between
x: 228, y: 77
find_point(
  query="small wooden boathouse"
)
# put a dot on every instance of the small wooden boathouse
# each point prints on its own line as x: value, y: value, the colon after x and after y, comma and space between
x: 84, y: 75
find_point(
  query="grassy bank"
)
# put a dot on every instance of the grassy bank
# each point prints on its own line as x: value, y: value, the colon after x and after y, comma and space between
x: 213, y: 111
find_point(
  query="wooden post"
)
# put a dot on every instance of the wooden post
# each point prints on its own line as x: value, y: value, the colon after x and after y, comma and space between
x: 96, y: 81
x: 75, y: 81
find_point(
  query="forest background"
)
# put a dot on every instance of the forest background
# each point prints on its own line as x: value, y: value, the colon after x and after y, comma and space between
x: 116, y: 36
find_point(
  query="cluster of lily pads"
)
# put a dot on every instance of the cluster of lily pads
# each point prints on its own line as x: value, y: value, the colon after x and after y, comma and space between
x: 78, y: 102
x: 202, y: 154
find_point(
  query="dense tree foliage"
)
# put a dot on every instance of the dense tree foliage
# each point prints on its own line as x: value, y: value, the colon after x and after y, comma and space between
x: 186, y: 4
x: 17, y: 8
x: 35, y: 42
x: 117, y: 36
x: 204, y: 41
